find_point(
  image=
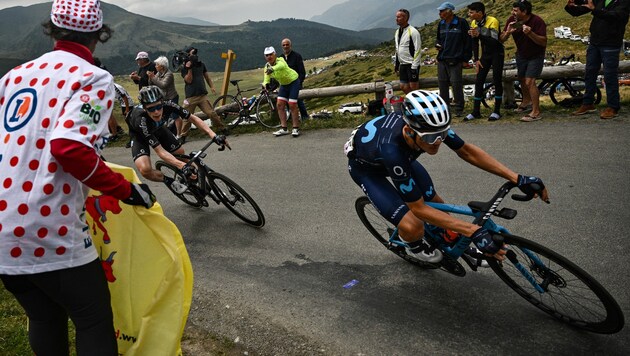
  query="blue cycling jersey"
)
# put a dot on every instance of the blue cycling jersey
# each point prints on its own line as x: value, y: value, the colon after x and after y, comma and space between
x: 380, y: 151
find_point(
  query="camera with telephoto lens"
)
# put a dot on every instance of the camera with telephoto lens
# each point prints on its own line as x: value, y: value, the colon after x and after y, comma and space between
x: 181, y: 57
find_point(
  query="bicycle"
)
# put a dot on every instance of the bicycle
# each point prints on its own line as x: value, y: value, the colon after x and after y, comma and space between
x: 209, y: 183
x: 541, y: 276
x: 567, y: 92
x: 233, y: 110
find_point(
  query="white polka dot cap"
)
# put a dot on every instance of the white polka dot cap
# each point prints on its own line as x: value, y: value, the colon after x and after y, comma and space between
x: 77, y: 15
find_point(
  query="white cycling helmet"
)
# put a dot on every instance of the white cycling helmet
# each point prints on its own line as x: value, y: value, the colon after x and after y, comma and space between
x: 425, y: 111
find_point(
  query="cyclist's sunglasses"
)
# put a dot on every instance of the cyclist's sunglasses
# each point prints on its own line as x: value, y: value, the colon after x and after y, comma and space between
x: 432, y: 137
x: 154, y: 108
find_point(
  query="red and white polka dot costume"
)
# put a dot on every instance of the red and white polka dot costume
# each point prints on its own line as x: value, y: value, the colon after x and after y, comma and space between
x: 58, y: 99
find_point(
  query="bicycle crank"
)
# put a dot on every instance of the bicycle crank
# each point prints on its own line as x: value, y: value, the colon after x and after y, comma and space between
x: 451, y: 266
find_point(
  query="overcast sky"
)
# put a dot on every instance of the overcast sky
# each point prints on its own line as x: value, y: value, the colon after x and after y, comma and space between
x: 223, y: 12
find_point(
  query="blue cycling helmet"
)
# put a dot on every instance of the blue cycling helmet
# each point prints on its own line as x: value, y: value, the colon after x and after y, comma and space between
x: 425, y: 111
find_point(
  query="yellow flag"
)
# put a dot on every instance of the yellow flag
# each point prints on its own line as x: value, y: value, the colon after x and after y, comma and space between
x: 148, y: 270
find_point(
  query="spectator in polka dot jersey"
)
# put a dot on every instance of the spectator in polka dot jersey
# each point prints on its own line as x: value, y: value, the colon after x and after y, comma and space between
x: 55, y: 110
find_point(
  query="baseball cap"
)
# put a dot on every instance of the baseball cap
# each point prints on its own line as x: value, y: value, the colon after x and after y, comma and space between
x: 269, y: 50
x: 446, y: 5
x: 77, y: 15
x: 142, y: 55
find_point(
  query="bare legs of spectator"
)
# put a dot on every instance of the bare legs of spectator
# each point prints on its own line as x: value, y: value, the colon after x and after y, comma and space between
x: 531, y: 95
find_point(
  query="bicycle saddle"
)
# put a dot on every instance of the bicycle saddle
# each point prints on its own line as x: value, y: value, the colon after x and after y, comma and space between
x: 234, y: 82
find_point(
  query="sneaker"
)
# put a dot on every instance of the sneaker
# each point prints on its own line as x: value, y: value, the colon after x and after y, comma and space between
x: 494, y: 117
x: 608, y: 113
x: 423, y: 251
x: 281, y: 132
x: 472, y: 257
x: 471, y: 117
x: 458, y: 113
x: 584, y: 109
x: 295, y: 132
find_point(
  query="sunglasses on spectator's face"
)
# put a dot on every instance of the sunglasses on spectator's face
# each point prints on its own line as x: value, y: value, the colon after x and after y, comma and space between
x: 269, y: 55
x: 154, y: 108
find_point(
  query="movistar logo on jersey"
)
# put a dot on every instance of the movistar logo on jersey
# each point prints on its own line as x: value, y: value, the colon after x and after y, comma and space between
x: 429, y: 192
x: 20, y: 109
x: 371, y: 129
x: 406, y: 188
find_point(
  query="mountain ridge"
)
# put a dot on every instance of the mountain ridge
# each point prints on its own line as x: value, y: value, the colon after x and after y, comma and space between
x: 22, y: 39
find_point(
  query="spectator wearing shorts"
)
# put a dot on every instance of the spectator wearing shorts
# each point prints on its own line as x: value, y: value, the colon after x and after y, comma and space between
x: 529, y: 32
x: 408, y: 47
x: 278, y: 69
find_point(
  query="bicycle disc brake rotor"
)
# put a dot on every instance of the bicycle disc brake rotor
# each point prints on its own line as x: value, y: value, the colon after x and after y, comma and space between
x: 548, y: 276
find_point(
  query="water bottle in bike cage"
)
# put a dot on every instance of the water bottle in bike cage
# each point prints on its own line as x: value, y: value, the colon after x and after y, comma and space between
x: 439, y: 234
x: 251, y: 100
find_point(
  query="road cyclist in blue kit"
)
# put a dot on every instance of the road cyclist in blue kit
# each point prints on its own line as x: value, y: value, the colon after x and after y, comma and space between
x: 382, y: 160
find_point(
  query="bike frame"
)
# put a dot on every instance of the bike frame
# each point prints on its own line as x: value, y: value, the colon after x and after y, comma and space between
x: 481, y: 219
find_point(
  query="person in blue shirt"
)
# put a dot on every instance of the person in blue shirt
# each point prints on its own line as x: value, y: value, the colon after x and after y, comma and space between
x: 382, y: 160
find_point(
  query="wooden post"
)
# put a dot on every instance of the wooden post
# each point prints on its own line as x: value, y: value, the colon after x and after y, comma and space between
x: 229, y: 57
x: 379, y: 94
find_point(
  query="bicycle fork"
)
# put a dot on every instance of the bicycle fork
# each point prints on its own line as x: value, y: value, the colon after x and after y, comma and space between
x: 541, y: 288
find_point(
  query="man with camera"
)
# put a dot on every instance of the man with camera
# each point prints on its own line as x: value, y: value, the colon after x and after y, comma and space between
x: 608, y: 27
x: 194, y: 73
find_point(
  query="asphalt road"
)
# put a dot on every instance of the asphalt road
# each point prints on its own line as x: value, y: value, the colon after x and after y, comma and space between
x: 279, y: 289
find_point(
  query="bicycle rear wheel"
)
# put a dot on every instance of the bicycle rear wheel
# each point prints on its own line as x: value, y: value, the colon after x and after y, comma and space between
x: 569, y: 92
x: 569, y: 294
x: 236, y: 199
x: 267, y: 113
x: 192, y: 196
x: 231, y: 111
x: 382, y: 230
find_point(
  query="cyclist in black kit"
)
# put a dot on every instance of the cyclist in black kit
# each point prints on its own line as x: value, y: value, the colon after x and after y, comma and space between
x: 147, y: 127
x: 382, y: 157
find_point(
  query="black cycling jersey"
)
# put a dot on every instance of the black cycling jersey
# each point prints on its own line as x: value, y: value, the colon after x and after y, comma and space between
x: 143, y: 128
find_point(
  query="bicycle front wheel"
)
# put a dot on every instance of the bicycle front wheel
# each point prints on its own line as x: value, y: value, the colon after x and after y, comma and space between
x: 192, y: 196
x: 230, y: 111
x: 570, y: 92
x: 563, y: 290
x: 382, y: 230
x: 267, y: 113
x: 235, y: 199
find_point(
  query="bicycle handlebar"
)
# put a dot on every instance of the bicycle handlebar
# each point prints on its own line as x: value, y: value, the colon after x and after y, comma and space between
x: 490, y: 207
x: 527, y: 197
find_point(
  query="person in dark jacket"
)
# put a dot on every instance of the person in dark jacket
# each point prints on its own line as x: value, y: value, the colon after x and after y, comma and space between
x: 294, y: 61
x: 454, y: 51
x: 608, y: 27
